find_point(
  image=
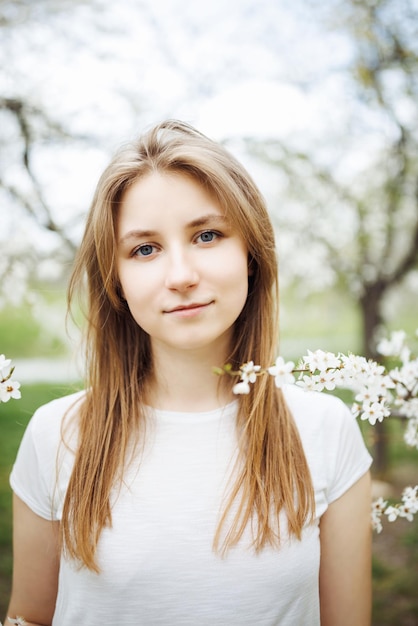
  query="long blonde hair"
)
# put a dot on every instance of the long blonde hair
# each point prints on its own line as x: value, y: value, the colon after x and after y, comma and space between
x: 273, y: 473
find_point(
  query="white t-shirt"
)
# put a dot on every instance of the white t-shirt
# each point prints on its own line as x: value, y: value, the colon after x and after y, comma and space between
x: 157, y: 563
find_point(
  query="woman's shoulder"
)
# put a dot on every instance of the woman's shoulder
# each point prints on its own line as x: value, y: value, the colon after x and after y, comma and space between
x: 314, y: 407
x: 34, y: 474
x: 332, y: 440
x: 49, y: 417
x: 320, y: 417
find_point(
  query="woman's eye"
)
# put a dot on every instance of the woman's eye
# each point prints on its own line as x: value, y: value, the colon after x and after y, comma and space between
x: 208, y: 236
x: 145, y: 250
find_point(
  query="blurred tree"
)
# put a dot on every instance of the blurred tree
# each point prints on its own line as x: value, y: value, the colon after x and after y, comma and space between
x: 33, y: 125
x: 28, y: 127
x: 358, y: 184
x: 359, y: 188
x: 385, y: 68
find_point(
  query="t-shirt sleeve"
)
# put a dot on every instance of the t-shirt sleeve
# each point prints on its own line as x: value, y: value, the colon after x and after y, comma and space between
x: 349, y: 458
x: 334, y: 446
x: 28, y: 479
x: 44, y: 462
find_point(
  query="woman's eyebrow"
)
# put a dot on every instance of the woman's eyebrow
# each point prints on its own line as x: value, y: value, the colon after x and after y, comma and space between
x: 204, y: 220
x: 137, y: 234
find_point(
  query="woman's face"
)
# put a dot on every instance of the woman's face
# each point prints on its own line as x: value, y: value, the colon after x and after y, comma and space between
x: 182, y: 266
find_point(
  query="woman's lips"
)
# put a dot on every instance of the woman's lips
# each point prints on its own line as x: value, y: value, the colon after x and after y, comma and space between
x: 188, y: 310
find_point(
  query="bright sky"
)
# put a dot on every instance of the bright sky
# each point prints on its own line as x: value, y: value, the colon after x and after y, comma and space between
x: 234, y: 66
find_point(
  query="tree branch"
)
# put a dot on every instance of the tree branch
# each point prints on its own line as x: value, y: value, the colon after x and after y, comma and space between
x: 21, y: 111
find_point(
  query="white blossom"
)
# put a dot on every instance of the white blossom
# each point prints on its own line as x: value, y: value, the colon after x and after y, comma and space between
x: 411, y: 494
x: 320, y: 360
x: 248, y: 374
x: 357, y: 367
x: 410, y: 502
x: 392, y: 346
x: 17, y: 621
x: 410, y: 407
x: 4, y: 363
x: 282, y: 372
x: 249, y: 371
x: 406, y: 378
x: 367, y: 396
x: 374, y: 412
x: 327, y: 381
x: 241, y: 388
x: 407, y: 509
x: 406, y: 512
x: 309, y: 383
x: 392, y: 512
x: 378, y: 507
x: 411, y: 433
x: 9, y: 389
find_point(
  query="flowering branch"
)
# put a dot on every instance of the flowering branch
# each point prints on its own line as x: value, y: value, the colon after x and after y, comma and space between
x: 375, y: 391
x: 406, y: 509
x: 17, y: 621
x: 8, y: 388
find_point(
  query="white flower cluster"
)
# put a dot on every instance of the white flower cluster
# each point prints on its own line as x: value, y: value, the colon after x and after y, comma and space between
x: 407, y: 509
x: 319, y: 371
x: 368, y: 381
x: 17, y: 621
x: 405, y: 378
x: 248, y: 374
x: 375, y: 391
x: 8, y: 388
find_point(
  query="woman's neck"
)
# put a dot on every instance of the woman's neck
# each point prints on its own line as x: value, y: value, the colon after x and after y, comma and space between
x: 185, y: 381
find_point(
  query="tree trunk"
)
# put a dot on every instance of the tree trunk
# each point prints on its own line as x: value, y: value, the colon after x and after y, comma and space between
x: 370, y: 304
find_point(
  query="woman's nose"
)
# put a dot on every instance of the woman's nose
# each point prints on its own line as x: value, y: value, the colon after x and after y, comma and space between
x: 182, y: 273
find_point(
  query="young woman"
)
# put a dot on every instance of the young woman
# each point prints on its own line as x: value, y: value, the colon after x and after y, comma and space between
x: 157, y: 497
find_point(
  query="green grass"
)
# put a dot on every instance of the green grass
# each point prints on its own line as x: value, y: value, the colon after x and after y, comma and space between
x: 22, y: 335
